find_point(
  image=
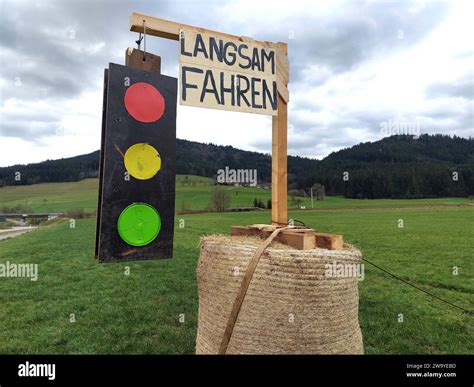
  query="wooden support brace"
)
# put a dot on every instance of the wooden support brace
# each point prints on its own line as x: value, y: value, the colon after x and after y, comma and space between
x: 141, y: 60
x: 300, y: 238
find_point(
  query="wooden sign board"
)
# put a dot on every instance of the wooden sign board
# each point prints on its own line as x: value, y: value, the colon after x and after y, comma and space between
x: 226, y: 74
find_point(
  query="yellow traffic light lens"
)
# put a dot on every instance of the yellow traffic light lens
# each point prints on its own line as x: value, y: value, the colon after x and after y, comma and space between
x: 142, y: 161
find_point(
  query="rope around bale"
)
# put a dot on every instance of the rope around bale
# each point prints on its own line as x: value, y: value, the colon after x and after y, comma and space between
x: 292, y: 305
x: 243, y: 290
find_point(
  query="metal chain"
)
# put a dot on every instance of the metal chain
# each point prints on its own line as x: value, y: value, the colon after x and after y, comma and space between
x: 144, y: 40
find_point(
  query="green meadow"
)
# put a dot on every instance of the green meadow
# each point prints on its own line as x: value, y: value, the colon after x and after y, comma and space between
x: 79, y: 306
x: 192, y: 193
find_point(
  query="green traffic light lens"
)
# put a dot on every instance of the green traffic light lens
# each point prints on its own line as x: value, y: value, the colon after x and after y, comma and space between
x: 139, y: 224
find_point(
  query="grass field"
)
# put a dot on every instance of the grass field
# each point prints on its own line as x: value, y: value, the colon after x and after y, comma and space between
x: 194, y: 195
x: 139, y: 312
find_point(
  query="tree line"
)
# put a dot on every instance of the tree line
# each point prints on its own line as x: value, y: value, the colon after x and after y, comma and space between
x: 394, y: 167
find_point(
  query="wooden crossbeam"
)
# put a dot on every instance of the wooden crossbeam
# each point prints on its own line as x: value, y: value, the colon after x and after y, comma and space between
x: 170, y: 30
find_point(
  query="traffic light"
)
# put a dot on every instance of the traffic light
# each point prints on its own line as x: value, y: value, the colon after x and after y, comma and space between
x: 135, y: 217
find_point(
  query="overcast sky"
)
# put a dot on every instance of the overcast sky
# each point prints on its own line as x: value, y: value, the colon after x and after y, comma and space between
x: 357, y: 70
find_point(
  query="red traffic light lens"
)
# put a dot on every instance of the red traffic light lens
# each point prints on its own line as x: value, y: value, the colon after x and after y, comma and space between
x: 144, y: 102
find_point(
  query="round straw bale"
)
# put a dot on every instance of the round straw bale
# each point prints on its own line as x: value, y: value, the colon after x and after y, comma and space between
x: 292, y: 305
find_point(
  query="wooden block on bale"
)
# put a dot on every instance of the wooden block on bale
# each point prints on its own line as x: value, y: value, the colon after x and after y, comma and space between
x: 301, y: 239
x: 267, y: 227
x: 329, y: 241
x: 249, y: 231
x: 298, y: 238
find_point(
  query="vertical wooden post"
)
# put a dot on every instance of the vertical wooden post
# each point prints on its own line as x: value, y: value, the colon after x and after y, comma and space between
x: 279, y: 156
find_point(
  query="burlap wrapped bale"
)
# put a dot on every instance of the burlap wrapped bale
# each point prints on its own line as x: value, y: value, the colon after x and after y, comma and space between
x: 291, y: 306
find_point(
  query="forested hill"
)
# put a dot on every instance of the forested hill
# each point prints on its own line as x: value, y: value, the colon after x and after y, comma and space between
x: 397, y: 167
x: 400, y: 167
x: 192, y: 158
x: 52, y: 171
x: 406, y: 149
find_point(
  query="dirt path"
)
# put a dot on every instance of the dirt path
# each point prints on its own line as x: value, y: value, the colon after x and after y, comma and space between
x: 355, y: 208
x: 379, y: 208
x: 13, y: 232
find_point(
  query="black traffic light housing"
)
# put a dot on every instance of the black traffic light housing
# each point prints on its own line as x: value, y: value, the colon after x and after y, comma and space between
x: 135, y: 217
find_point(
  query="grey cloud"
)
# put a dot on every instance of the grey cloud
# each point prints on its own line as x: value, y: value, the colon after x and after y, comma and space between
x: 58, y: 62
x: 464, y: 90
x: 355, y: 33
x: 55, y: 68
x: 60, y: 55
x: 316, y: 142
x: 370, y: 120
x: 33, y: 130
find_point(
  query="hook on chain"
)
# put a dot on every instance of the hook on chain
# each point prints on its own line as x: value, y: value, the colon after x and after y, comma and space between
x: 139, y: 41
